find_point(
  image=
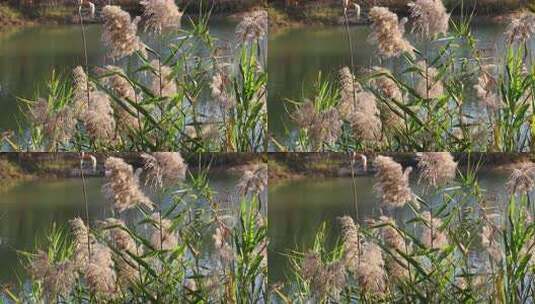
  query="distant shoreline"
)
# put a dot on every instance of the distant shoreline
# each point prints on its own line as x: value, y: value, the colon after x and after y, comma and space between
x: 326, y: 14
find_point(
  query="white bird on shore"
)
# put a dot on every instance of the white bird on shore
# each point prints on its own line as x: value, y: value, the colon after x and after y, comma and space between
x: 91, y: 9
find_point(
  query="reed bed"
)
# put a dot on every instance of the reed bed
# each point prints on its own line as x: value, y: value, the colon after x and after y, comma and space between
x: 191, y: 93
x: 455, y: 243
x: 171, y: 239
x: 451, y: 93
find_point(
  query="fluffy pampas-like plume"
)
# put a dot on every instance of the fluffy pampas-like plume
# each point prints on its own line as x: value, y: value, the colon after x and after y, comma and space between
x: 429, y: 84
x: 127, y: 273
x: 163, y: 237
x: 430, y: 18
x: 120, y: 32
x: 100, y: 274
x: 436, y: 168
x: 393, y: 182
x: 117, y: 81
x: 395, y: 265
x: 387, y: 33
x: 432, y: 236
x: 83, y: 241
x: 486, y: 88
x: 98, y: 118
x: 323, y: 126
x: 371, y: 270
x: 521, y: 28
x: 161, y: 14
x: 58, y: 126
x: 57, y: 278
x: 122, y: 185
x: 219, y: 92
x: 521, y: 180
x: 325, y: 279
x: 253, y: 180
x: 350, y: 236
x: 163, y: 168
x: 162, y: 81
x: 252, y: 27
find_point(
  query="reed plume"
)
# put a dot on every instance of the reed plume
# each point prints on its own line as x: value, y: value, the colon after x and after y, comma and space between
x: 521, y: 28
x: 252, y: 27
x: 365, y: 119
x: 98, y: 118
x: 223, y: 249
x: 486, y: 89
x: 100, y: 274
x: 385, y: 85
x: 323, y: 127
x: 432, y: 236
x: 436, y: 168
x: 58, y: 279
x: 81, y: 87
x: 393, y: 182
x: 429, y: 18
x: 253, y: 180
x: 371, y: 269
x: 348, y: 92
x: 120, y: 32
x: 387, y: 33
x: 122, y: 185
x: 123, y: 89
x: 83, y: 240
x: 521, y: 179
x: 127, y: 273
x: 160, y: 15
x: 351, y: 239
x: 163, y: 168
x: 219, y: 93
x: 325, y: 279
x: 429, y: 85
x: 162, y: 82
x: 489, y: 243
x: 389, y: 89
x: 58, y: 126
x: 393, y: 239
x: 163, y: 236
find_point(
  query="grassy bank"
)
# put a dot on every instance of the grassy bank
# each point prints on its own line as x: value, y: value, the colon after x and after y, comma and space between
x: 16, y: 15
x: 283, y: 166
x: 331, y: 12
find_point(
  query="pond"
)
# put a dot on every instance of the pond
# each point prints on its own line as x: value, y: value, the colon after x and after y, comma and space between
x: 298, y: 208
x: 28, y: 56
x: 297, y: 56
x: 28, y: 211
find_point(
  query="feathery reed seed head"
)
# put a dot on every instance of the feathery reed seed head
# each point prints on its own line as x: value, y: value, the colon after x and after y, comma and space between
x: 521, y: 179
x: 164, y: 168
x: 393, y: 182
x: 521, y: 28
x: 436, y: 168
x: 168, y: 238
x: 120, y: 32
x: 100, y: 274
x: 122, y: 185
x: 253, y: 26
x: 430, y: 18
x: 161, y: 14
x: 387, y: 33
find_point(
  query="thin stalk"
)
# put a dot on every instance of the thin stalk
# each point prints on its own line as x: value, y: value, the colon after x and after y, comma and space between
x: 84, y: 191
x: 351, y: 54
